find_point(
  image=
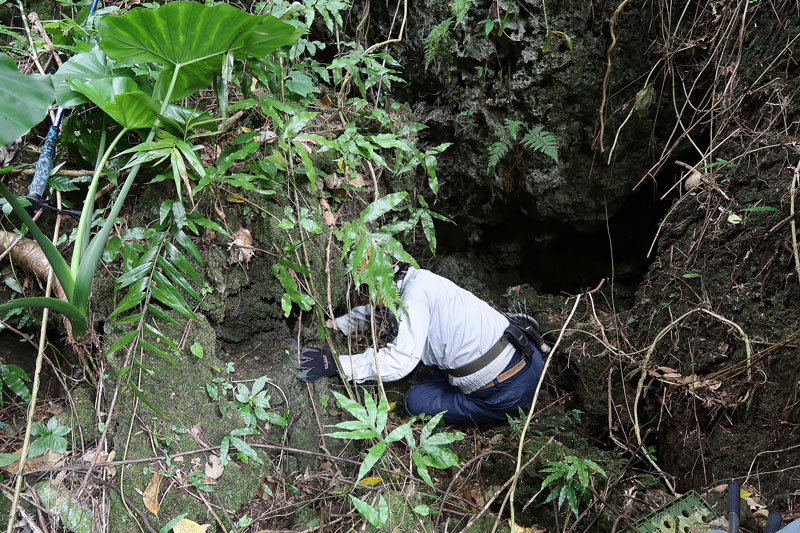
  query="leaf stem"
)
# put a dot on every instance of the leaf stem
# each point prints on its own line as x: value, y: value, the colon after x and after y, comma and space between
x: 85, y: 273
x: 84, y: 226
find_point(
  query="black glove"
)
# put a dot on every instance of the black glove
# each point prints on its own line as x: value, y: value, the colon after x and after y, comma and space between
x: 315, y: 364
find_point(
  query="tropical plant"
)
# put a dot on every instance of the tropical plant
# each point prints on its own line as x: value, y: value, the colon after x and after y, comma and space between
x: 570, y: 480
x: 50, y: 436
x: 431, y: 449
x: 186, y: 61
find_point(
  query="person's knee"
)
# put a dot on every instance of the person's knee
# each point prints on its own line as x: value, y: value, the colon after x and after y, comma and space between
x: 414, y: 402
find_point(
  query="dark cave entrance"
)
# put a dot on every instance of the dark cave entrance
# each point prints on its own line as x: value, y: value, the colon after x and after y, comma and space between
x: 559, y: 257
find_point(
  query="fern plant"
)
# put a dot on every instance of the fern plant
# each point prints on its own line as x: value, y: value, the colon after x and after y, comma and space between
x: 537, y: 139
x: 540, y: 140
x: 439, y: 41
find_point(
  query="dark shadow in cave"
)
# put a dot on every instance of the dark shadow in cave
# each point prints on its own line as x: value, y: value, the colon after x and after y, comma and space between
x: 558, y: 257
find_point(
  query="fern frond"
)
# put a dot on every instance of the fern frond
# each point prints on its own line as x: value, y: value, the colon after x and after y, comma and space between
x: 437, y: 41
x: 541, y: 140
x: 512, y: 127
x: 459, y: 9
x: 497, y: 152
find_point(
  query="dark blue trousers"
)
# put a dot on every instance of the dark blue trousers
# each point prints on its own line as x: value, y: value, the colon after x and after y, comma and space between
x: 484, y: 406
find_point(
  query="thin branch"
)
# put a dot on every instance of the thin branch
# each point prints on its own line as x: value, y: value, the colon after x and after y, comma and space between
x: 533, y: 403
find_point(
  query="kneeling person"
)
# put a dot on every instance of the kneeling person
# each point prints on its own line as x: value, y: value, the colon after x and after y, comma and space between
x: 485, y: 376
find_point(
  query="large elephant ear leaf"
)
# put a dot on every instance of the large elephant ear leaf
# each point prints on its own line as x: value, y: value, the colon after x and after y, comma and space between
x: 91, y: 65
x: 191, y: 38
x: 121, y: 99
x: 24, y: 100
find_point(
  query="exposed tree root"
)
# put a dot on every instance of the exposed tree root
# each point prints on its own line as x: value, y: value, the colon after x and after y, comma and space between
x: 27, y: 254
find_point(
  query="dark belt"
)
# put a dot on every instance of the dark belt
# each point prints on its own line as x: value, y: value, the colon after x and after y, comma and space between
x: 481, y: 362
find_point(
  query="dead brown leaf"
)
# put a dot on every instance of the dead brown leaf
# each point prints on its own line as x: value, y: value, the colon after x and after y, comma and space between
x: 214, y: 468
x: 267, y: 486
x: 150, y: 496
x: 49, y: 459
x: 327, y: 214
x: 241, y: 249
x: 195, y: 433
x: 102, y: 457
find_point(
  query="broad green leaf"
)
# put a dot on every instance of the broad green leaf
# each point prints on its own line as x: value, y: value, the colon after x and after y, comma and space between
x: 572, y: 500
x: 134, y: 275
x: 12, y: 376
x: 177, y: 278
x: 286, y: 304
x: 311, y: 172
x: 223, y: 450
x: 297, y: 123
x: 429, y: 427
x: 8, y: 458
x: 594, y: 466
x: 191, y: 38
x: 121, y: 99
x: 549, y: 479
x: 156, y: 333
x: 583, y: 476
x: 424, y: 510
x: 352, y: 407
x: 358, y: 434
x: 158, y: 351
x: 258, y: 385
x: 179, y: 260
x: 173, y: 300
x: 376, y: 517
x: 439, y: 457
x: 372, y: 410
x: 383, y: 413
x: 373, y: 456
x: 443, y: 438
x: 399, y: 432
x: 187, y: 245
x: 352, y: 424
x: 91, y: 65
x: 301, y: 84
x: 134, y: 296
x: 162, y: 315
x: 422, y: 467
x: 24, y: 100
x: 562, y: 494
x: 245, y: 449
x: 381, y: 206
x: 169, y: 525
